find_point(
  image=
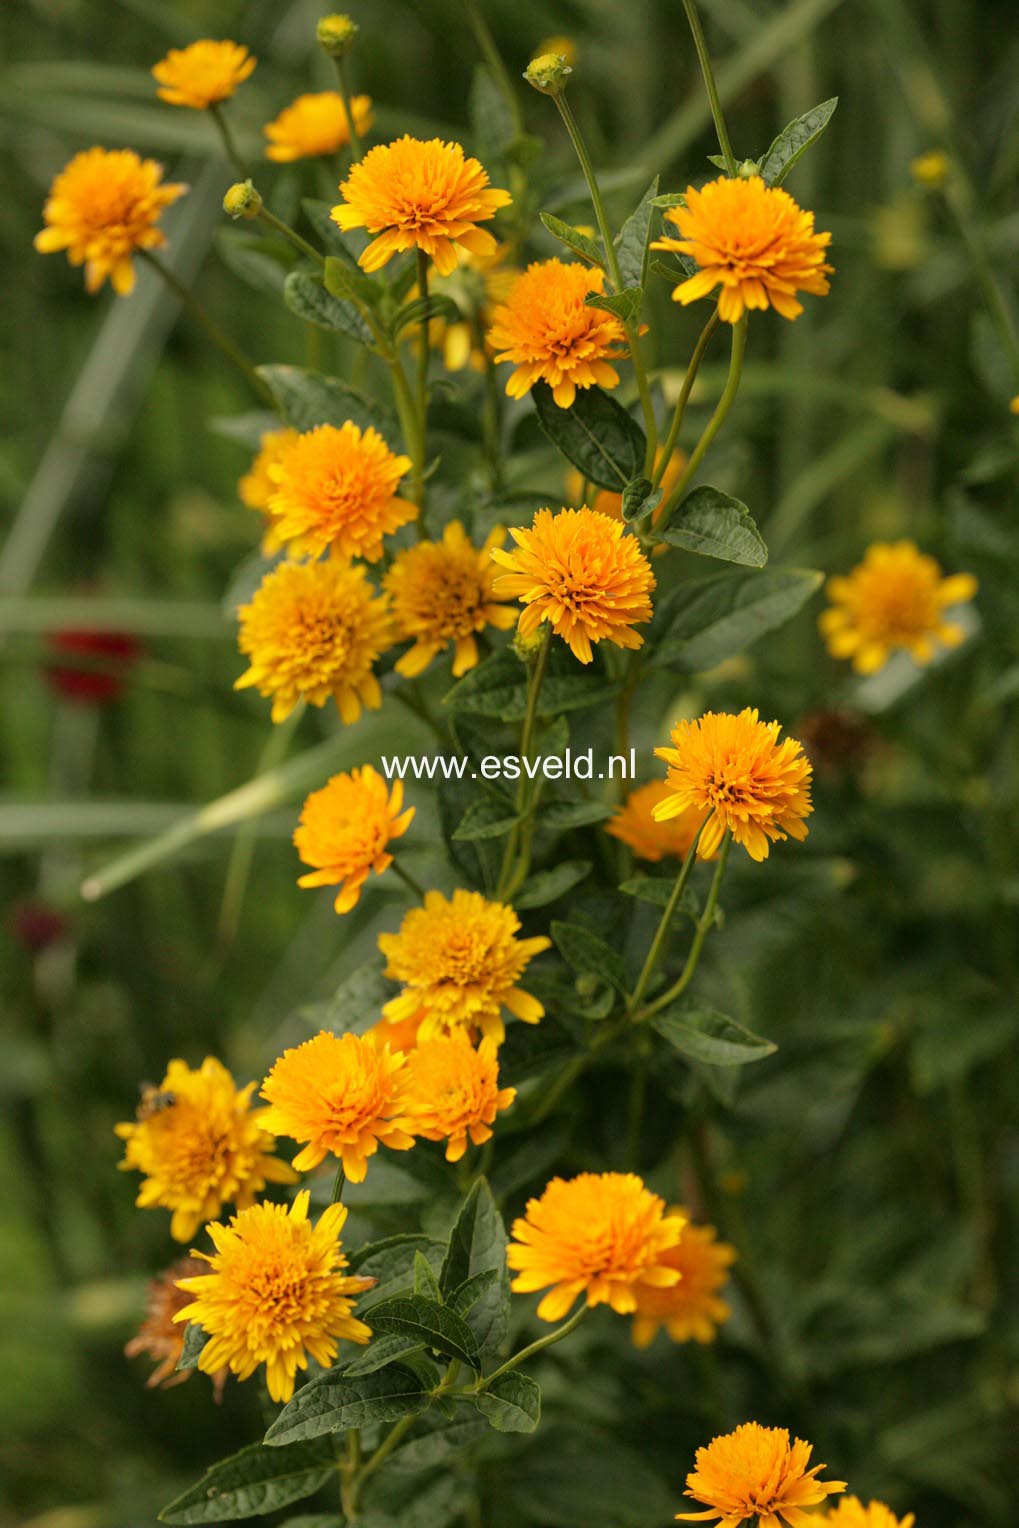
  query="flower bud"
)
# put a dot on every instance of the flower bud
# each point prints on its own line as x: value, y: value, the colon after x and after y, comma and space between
x: 242, y: 201
x: 548, y: 73
x: 748, y: 169
x: 336, y: 35
x: 528, y: 647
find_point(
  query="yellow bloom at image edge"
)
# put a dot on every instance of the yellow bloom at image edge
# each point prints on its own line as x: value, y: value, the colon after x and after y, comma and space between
x: 103, y: 207
x: 755, y: 1474
x: 276, y: 1294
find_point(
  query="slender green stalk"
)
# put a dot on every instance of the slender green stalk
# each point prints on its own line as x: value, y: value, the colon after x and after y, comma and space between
x: 534, y: 1347
x: 669, y: 445
x: 704, y: 922
x: 389, y: 1443
x: 490, y: 53
x: 234, y: 155
x: 961, y: 204
x: 222, y: 341
x: 242, y: 853
x: 715, y: 423
x: 632, y: 334
x: 423, y: 345
x: 356, y: 146
x: 409, y: 881
x: 292, y: 237
x: 534, y: 684
x: 338, y: 1183
x: 664, y: 924
x: 704, y: 59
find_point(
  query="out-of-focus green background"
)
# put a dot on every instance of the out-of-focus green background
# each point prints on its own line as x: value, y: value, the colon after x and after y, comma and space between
x: 878, y: 1160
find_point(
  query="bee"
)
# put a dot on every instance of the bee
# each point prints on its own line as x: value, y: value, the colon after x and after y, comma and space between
x: 153, y: 1101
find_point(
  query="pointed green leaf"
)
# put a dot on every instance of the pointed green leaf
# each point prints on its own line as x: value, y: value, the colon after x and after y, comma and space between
x: 581, y: 245
x: 477, y: 1243
x: 253, y: 1482
x: 595, y: 433
x: 711, y: 619
x: 713, y: 524
x: 335, y: 1401
x: 328, y: 233
x: 640, y: 499
x: 195, y: 1338
x: 585, y: 952
x: 633, y: 239
x: 422, y: 309
x: 703, y: 1034
x: 512, y: 1403
x: 466, y: 1295
x: 246, y: 255
x: 544, y: 887
x: 625, y: 305
x: 307, y: 398
x: 794, y: 141
x: 305, y: 296
x: 432, y: 1324
x: 425, y: 1282
x: 392, y: 1262
x: 487, y: 817
x: 380, y: 1352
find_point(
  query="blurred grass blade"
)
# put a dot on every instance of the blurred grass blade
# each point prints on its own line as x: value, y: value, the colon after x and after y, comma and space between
x: 142, y: 618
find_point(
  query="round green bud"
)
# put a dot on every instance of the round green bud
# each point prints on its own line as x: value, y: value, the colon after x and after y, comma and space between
x: 548, y: 73
x: 336, y: 35
x: 242, y: 200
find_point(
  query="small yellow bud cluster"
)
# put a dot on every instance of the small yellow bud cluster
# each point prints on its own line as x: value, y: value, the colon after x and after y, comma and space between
x: 527, y: 645
x: 548, y: 73
x: 336, y: 34
x: 242, y: 201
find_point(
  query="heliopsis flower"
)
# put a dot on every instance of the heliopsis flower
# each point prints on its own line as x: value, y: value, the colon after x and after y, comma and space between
x: 203, y: 74
x: 690, y: 1310
x: 341, y: 1096
x: 548, y: 332
x: 896, y: 598
x: 734, y: 769
x: 336, y: 487
x: 453, y: 1091
x: 414, y: 195
x: 459, y: 962
x: 276, y: 1294
x: 160, y: 1337
x: 312, y: 630
x: 581, y: 572
x: 113, y: 653
x: 442, y: 595
x: 103, y: 207
x: 600, y: 1235
x: 635, y: 824
x: 851, y: 1513
x: 314, y: 125
x: 755, y: 1474
x: 200, y: 1146
x: 344, y: 830
x: 257, y: 487
x: 753, y: 241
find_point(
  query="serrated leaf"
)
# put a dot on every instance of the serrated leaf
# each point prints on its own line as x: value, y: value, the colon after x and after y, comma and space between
x: 711, y: 619
x: 432, y: 1324
x: 657, y: 890
x: 477, y: 1243
x: 547, y: 885
x: 512, y: 1403
x: 307, y: 398
x: 380, y: 1352
x: 585, y: 952
x: 348, y: 281
x: 595, y: 433
x: 336, y: 1400
x: 486, y: 817
x: 705, y: 1035
x: 255, y: 1481
x: 794, y: 141
x: 640, y: 499
x: 498, y: 688
x: 561, y: 816
x: 195, y: 1338
x: 713, y: 524
x: 581, y: 245
x: 625, y: 305
x: 306, y: 297
x: 422, y: 309
x: 466, y: 1295
x: 633, y: 239
x: 391, y: 1261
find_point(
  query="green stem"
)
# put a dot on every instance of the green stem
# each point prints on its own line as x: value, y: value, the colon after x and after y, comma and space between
x: 222, y: 341
x: 338, y: 1182
x: 423, y: 347
x: 714, y: 424
x: 662, y: 931
x: 631, y: 331
x: 704, y: 922
x: 490, y: 53
x: 960, y: 203
x: 242, y: 853
x: 534, y: 1347
x: 389, y: 1443
x: 669, y: 446
x: 234, y: 155
x: 413, y: 436
x: 534, y: 683
x: 356, y: 146
x: 709, y: 84
x: 291, y: 236
x: 408, y: 880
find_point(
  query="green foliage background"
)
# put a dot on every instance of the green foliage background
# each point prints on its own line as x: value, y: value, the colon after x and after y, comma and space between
x: 870, y: 1168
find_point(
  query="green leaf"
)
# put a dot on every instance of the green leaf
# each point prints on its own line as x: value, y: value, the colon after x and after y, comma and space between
x: 443, y: 1438
x: 380, y: 1352
x: 547, y: 885
x: 487, y: 817
x: 633, y: 239
x: 307, y: 399
x: 392, y: 1262
x: 580, y: 244
x: 195, y: 1338
x: 584, y: 951
x: 561, y: 816
x: 625, y: 305
x: 794, y: 141
x: 711, y: 619
x: 669, y: 199
x: 581, y: 1477
x: 713, y: 524
x: 491, y: 119
x: 253, y: 1482
x: 657, y: 889
x: 466, y: 1295
x: 305, y: 296
x: 477, y: 1243
x: 432, y: 1324
x: 596, y: 434
x: 313, y: 1520
x: 335, y: 1401
x: 512, y: 1403
x: 498, y: 688
x: 245, y: 254
x: 355, y: 1005
x: 703, y: 1034
x: 719, y: 161
x: 682, y: 271
x: 348, y: 281
x: 422, y: 309
x: 329, y: 234
x: 640, y: 499
x: 425, y: 1282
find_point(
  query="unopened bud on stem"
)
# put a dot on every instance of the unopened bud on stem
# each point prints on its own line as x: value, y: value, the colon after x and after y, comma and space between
x: 336, y: 35
x: 548, y: 73
x: 242, y: 200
